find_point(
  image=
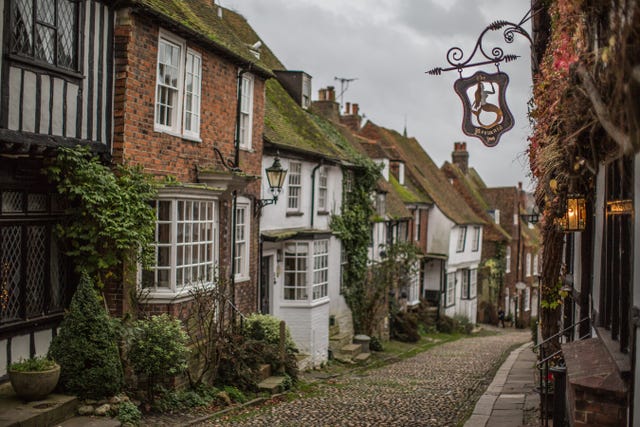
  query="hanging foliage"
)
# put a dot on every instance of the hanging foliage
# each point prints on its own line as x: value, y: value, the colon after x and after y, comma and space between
x: 109, y: 216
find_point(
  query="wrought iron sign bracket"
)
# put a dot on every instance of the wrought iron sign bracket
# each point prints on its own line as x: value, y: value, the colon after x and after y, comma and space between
x: 455, y: 55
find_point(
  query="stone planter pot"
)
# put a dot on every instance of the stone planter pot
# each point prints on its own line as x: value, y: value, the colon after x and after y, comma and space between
x: 34, y: 385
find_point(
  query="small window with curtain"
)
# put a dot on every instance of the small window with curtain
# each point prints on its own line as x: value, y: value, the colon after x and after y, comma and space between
x: 462, y: 237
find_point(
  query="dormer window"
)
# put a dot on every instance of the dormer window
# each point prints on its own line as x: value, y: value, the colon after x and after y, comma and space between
x: 306, y: 92
x: 297, y: 84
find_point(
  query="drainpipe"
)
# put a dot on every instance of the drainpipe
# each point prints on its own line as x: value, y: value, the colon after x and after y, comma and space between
x: 313, y: 189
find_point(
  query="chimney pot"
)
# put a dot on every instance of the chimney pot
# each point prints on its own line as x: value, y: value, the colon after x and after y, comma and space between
x: 331, y: 93
x: 354, y: 109
x: 520, y: 185
x: 347, y: 109
x: 460, y: 156
x: 322, y: 95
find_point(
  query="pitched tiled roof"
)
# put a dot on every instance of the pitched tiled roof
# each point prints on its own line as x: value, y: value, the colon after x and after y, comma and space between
x: 395, y: 207
x: 425, y: 174
x: 467, y: 187
x: 408, y: 193
x: 200, y: 20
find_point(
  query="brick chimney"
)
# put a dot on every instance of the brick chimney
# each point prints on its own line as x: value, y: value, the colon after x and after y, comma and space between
x: 460, y: 156
x: 351, y: 119
x: 326, y: 105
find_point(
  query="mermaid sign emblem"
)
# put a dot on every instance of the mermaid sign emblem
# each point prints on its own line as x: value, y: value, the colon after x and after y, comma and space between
x: 486, y: 115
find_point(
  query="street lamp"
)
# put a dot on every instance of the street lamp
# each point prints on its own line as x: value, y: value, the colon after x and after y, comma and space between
x: 275, y: 177
x: 533, y: 217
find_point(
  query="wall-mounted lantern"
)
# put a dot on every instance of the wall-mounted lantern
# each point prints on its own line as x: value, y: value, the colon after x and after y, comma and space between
x: 275, y: 177
x: 575, y: 214
x: 532, y: 217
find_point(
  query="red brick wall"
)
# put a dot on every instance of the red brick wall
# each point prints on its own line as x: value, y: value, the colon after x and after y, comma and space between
x: 135, y: 142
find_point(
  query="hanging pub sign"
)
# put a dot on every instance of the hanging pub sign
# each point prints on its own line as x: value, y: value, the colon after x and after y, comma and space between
x: 486, y: 114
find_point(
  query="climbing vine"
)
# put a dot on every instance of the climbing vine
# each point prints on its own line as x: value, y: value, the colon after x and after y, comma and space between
x: 353, y: 226
x: 109, y: 215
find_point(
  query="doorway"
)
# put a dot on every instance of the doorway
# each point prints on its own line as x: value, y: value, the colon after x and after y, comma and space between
x: 266, y: 279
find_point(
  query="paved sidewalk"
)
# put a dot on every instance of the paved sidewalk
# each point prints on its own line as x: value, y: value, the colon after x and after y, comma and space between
x: 510, y: 400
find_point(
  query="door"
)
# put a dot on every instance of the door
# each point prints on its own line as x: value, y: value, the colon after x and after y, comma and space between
x: 266, y: 279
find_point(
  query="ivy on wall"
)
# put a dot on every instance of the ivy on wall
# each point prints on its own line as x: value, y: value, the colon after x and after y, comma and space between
x: 109, y: 217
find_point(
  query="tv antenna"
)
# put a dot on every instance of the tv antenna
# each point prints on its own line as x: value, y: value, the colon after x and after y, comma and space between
x: 344, y: 85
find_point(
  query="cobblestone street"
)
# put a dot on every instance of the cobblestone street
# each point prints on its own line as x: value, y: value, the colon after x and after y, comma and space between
x: 436, y: 388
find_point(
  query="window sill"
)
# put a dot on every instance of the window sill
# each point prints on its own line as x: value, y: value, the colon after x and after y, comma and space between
x: 295, y: 214
x: 157, y: 128
x: 31, y: 63
x: 247, y: 149
x: 623, y: 360
x: 192, y: 138
x: 305, y: 304
x: 323, y: 213
x: 240, y: 279
x: 168, y: 297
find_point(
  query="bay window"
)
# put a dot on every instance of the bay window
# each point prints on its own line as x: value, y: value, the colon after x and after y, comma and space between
x: 186, y: 245
x: 306, y: 270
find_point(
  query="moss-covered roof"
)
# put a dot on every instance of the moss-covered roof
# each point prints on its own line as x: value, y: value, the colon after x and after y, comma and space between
x: 408, y: 193
x: 395, y: 207
x: 424, y: 174
x: 288, y: 126
x: 200, y: 20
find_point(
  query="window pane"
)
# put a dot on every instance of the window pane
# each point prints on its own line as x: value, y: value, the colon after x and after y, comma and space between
x: 22, y: 27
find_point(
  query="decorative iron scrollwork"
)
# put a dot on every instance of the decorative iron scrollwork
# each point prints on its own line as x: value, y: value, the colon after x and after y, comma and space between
x: 496, y: 55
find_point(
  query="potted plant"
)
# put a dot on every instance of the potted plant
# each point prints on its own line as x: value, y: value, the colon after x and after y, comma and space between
x: 34, y: 378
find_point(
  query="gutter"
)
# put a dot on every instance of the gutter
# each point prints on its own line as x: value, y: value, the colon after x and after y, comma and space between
x: 313, y: 189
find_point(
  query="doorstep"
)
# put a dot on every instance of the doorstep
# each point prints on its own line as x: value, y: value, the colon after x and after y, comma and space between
x: 16, y: 412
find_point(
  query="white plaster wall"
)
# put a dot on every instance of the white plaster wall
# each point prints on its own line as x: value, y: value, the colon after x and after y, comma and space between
x: 338, y: 306
x: 274, y: 217
x: 309, y: 328
x: 598, y: 235
x: 438, y: 232
x: 3, y: 357
x: 468, y: 256
x: 385, y: 167
x: 432, y: 275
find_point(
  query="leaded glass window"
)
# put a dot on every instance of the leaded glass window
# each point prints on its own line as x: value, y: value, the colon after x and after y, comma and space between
x: 46, y: 31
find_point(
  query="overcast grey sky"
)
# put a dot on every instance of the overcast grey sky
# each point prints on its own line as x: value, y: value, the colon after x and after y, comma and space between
x: 388, y: 45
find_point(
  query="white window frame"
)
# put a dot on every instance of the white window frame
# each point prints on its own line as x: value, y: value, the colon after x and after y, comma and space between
x: 496, y: 216
x: 464, y: 287
x: 311, y: 283
x: 527, y: 299
x: 343, y: 267
x: 507, y: 260
x: 528, y: 264
x: 195, y: 108
x: 198, y: 237
x: 416, y: 225
x: 320, y: 286
x: 473, y: 283
x: 306, y: 92
x: 294, y: 191
x: 450, y: 292
x: 179, y: 110
x: 475, y: 247
x: 243, y: 239
x: 323, y: 186
x: 246, y: 112
x: 462, y: 237
x: 164, y: 37
x: 536, y: 261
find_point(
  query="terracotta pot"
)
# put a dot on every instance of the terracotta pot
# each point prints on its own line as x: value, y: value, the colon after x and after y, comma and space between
x: 34, y: 385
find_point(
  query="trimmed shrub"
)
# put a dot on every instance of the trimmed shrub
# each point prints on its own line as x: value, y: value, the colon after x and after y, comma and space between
x: 447, y: 325
x: 375, y: 344
x: 86, y: 348
x: 463, y: 324
x: 404, y: 327
x: 264, y: 327
x: 157, y: 349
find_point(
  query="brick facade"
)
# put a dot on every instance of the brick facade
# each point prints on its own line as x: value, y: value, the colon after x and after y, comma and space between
x: 164, y: 155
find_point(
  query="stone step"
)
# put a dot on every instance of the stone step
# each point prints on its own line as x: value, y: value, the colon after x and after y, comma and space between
x: 52, y: 410
x: 339, y: 337
x: 264, y: 372
x: 272, y: 385
x: 334, y: 330
x: 362, y: 357
x: 351, y: 350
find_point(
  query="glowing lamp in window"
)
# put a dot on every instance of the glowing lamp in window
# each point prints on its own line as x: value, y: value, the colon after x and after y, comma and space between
x: 575, y: 214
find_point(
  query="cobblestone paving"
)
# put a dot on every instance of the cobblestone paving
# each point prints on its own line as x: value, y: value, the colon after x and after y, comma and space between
x: 436, y: 388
